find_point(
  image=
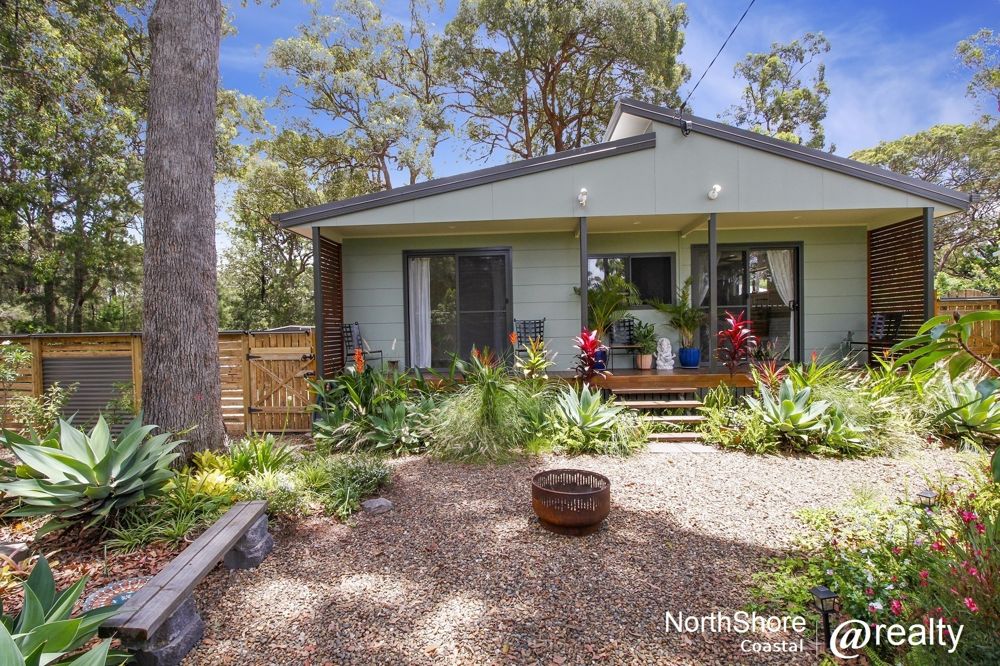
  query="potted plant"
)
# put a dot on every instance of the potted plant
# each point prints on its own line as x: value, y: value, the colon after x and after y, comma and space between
x: 608, y: 302
x: 686, y: 319
x: 644, y: 337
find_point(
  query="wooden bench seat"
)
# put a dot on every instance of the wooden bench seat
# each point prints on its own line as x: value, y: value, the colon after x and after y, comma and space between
x: 159, y: 623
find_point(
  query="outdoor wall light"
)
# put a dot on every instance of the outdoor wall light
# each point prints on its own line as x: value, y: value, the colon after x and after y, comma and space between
x: 713, y: 193
x: 582, y: 197
x: 826, y: 603
x: 926, y: 497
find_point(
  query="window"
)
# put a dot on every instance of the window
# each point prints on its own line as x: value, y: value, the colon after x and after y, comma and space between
x: 652, y: 274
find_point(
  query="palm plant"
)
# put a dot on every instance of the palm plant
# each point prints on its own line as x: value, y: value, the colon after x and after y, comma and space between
x: 610, y: 301
x: 85, y: 478
x: 685, y: 317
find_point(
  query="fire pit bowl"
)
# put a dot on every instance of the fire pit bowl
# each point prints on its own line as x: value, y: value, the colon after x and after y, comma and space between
x: 571, y: 501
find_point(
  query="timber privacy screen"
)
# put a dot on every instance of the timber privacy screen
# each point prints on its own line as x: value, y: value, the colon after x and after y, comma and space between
x: 898, y: 277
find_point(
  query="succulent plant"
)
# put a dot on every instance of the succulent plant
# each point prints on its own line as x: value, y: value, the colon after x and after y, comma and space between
x: 45, y: 630
x: 791, y: 413
x: 84, y: 478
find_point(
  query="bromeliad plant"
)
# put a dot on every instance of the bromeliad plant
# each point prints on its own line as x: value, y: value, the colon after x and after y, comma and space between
x: 536, y: 360
x: 45, y: 630
x: 736, y: 342
x: 589, y: 344
x: 81, y: 478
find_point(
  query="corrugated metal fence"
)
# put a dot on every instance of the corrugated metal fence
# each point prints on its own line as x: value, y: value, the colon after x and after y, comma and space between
x: 263, y: 374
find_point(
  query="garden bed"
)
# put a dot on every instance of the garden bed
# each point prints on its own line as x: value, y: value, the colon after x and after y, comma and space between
x: 460, y: 572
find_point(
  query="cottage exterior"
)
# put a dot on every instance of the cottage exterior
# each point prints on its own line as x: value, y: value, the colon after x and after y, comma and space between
x: 810, y: 244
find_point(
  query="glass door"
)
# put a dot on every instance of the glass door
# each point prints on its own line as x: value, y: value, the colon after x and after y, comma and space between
x: 456, y: 300
x: 761, y: 282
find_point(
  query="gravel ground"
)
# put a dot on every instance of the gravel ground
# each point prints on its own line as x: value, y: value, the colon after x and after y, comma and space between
x: 459, y: 573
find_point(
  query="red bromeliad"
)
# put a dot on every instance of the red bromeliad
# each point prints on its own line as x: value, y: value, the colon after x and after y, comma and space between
x: 589, y: 344
x: 736, y: 343
x: 359, y: 360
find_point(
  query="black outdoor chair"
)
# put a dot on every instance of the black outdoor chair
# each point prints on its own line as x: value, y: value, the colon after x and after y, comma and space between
x: 528, y: 329
x: 621, y: 339
x: 353, y: 340
x: 883, y: 331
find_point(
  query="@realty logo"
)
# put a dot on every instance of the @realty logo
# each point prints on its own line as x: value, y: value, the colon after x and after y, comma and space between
x: 850, y: 636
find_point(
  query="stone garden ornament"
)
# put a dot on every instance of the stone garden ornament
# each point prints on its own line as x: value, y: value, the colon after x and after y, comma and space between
x: 664, y: 355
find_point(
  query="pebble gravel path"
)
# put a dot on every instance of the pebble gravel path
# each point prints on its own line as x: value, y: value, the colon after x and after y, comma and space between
x: 460, y: 573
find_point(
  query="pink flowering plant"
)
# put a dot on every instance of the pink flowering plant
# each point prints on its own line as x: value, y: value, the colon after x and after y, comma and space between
x: 900, y: 563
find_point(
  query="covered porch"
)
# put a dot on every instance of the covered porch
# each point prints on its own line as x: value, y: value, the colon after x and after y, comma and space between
x: 817, y: 249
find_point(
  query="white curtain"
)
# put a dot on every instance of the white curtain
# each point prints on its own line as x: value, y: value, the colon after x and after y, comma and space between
x: 420, y: 311
x: 699, y: 279
x: 782, y: 263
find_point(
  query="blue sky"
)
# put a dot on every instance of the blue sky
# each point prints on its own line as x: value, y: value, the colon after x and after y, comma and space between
x: 892, y: 69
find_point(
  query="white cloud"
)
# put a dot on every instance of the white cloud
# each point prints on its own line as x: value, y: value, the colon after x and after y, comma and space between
x: 885, y: 81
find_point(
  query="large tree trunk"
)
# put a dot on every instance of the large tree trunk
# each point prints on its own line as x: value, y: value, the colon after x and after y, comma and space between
x: 180, y: 361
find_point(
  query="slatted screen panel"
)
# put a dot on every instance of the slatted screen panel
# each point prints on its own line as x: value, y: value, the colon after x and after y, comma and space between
x: 896, y: 276
x: 331, y: 285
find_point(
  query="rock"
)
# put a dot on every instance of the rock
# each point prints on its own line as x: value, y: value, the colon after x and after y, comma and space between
x: 377, y: 505
x: 17, y: 552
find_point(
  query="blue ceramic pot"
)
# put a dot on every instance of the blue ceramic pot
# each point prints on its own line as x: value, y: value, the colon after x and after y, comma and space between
x: 602, y: 359
x: 690, y: 357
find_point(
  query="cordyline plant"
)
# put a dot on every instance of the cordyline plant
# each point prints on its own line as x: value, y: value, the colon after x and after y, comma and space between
x: 736, y: 342
x: 589, y: 344
x: 79, y: 478
x: 945, y: 339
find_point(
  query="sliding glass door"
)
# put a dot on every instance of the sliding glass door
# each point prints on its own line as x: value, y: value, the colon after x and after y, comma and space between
x: 764, y: 283
x: 456, y: 300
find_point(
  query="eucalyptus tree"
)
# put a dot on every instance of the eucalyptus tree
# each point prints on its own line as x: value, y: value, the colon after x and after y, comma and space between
x: 775, y: 100
x: 534, y: 77
x: 181, y: 381
x: 371, y: 83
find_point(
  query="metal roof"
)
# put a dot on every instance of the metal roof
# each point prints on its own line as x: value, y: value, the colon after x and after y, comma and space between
x: 793, y: 151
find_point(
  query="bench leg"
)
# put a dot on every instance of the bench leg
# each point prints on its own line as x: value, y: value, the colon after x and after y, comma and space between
x: 250, y: 550
x: 172, y: 641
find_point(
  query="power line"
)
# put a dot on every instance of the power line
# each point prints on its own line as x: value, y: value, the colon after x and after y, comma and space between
x: 718, y: 53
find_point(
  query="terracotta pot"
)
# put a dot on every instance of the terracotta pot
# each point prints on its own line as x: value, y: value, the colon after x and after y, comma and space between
x: 644, y: 361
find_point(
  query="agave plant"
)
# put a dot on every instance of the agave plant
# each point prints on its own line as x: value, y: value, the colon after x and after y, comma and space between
x: 585, y: 409
x: 84, y: 478
x: 791, y: 412
x: 45, y: 631
x: 967, y: 412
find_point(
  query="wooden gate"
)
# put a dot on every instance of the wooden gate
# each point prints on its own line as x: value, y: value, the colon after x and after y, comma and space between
x: 278, y: 365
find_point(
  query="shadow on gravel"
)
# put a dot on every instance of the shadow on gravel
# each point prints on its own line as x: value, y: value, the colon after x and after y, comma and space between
x: 460, y: 572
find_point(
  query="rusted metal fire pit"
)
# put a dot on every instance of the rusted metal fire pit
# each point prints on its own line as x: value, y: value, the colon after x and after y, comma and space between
x: 571, y: 501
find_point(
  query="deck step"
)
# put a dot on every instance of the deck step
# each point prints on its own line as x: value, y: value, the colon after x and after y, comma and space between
x: 655, y: 391
x: 676, y: 418
x: 661, y: 404
x: 675, y: 436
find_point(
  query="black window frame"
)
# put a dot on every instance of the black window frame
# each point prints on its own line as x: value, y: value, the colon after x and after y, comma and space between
x: 628, y: 256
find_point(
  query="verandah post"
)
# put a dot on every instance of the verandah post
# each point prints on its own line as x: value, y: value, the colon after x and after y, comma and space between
x: 713, y: 292
x: 928, y: 263
x: 583, y: 272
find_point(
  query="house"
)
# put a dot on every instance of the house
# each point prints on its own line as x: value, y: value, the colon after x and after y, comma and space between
x: 810, y: 244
